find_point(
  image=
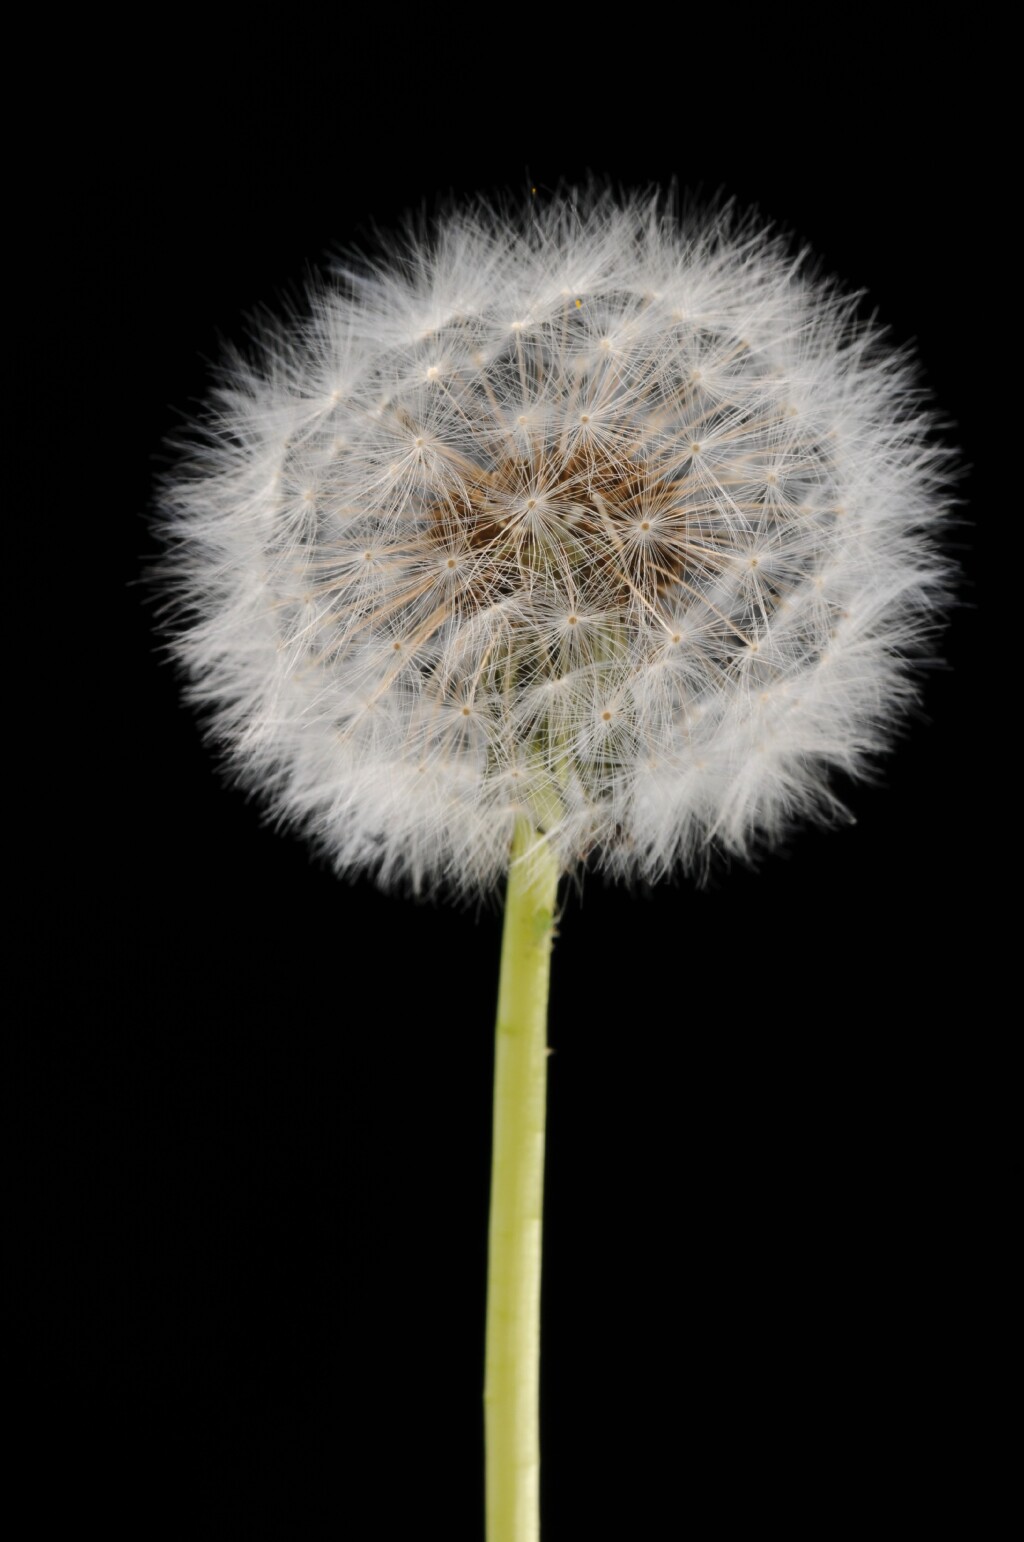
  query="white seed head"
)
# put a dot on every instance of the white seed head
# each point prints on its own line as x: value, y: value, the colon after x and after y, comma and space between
x: 587, y: 514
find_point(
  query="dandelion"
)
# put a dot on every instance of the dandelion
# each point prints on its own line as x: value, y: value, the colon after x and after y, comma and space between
x: 584, y: 535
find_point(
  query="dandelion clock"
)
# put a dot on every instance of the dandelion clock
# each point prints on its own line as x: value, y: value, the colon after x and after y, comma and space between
x: 558, y: 538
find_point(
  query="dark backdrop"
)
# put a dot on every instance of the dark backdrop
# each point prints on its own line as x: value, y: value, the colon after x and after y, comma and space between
x: 268, y: 1164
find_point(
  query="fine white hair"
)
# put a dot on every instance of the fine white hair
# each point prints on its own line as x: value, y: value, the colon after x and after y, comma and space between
x: 590, y: 513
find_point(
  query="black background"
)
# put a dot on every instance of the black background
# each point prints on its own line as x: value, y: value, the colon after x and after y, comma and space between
x: 267, y: 1161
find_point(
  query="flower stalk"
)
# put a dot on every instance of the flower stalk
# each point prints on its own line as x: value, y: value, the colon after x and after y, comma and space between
x: 512, y: 1379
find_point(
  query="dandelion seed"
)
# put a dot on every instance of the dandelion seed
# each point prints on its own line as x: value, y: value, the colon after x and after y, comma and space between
x: 688, y: 412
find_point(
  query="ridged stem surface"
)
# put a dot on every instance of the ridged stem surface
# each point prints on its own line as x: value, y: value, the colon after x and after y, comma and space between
x: 512, y: 1382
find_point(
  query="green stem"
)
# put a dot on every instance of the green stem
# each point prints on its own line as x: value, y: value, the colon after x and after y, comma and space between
x: 512, y: 1383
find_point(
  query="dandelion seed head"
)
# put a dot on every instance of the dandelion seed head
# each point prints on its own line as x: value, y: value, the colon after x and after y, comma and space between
x: 589, y: 514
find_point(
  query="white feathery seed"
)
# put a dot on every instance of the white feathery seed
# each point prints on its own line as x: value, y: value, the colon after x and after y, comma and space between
x: 585, y: 512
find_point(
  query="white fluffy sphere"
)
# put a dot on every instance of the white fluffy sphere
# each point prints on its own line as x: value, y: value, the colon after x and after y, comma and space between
x: 586, y: 513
